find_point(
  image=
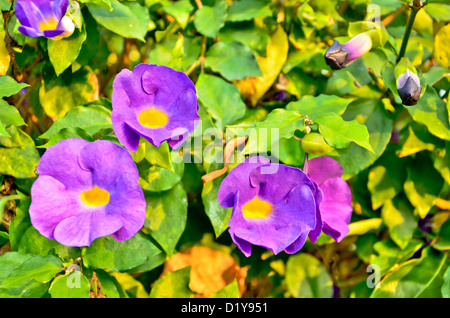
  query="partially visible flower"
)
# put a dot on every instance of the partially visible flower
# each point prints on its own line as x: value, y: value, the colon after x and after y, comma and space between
x: 44, y: 18
x: 340, y: 55
x: 408, y: 87
x: 153, y: 102
x: 274, y: 210
x: 336, y: 206
x: 85, y: 191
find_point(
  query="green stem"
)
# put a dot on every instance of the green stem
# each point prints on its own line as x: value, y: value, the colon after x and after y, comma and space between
x: 414, y: 10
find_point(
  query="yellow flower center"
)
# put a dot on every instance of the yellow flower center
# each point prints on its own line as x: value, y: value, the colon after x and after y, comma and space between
x: 95, y: 197
x: 48, y: 25
x: 153, y: 118
x: 256, y: 209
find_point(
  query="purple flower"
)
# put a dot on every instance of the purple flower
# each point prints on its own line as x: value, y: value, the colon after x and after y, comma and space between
x: 153, y: 102
x: 274, y: 206
x: 336, y: 206
x: 340, y: 55
x: 85, y: 191
x: 44, y: 18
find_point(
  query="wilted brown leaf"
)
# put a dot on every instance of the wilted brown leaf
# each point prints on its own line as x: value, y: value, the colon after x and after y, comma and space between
x: 210, y: 270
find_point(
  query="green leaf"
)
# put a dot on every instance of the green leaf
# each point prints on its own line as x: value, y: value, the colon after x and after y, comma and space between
x: 157, y: 179
x: 255, y: 38
x: 105, y: 3
x: 166, y: 216
x: 445, y: 290
x: 222, y: 100
x: 58, y: 95
x: 21, y: 221
x: 209, y: 20
x: 4, y: 237
x: 173, y: 285
x: 244, y: 10
x: 11, y: 260
x: 339, y: 133
x: 265, y: 135
x: 442, y: 163
x: 315, y: 106
x: 128, y: 19
x: 9, y: 115
x: 32, y: 242
x: 9, y: 86
x: 398, y: 215
x: 229, y: 291
x: 423, y: 185
x: 306, y: 277
x: 180, y: 10
x: 355, y: 158
x: 74, y: 285
x: 416, y: 278
x: 159, y: 156
x: 107, y: 253
x: 415, y: 138
x: 64, y: 52
x: 21, y: 159
x: 390, y: 254
x: 91, y: 119
x: 386, y: 178
x: 218, y: 215
x: 435, y: 74
x: 66, y: 133
x: 3, y: 132
x: 233, y: 60
x: 439, y: 12
x: 432, y: 112
x: 29, y: 278
x: 443, y: 238
x: 163, y: 53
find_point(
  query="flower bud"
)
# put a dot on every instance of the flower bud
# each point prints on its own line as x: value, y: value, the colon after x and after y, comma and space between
x: 408, y: 87
x: 339, y: 55
x: 68, y: 26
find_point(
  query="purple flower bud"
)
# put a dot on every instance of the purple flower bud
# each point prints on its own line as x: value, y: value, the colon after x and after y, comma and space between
x: 44, y: 18
x: 339, y: 55
x: 408, y: 87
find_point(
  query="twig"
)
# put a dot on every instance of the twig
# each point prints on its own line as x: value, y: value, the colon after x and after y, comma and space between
x: 229, y: 149
x: 199, y: 4
x: 388, y: 19
x: 8, y: 43
x: 202, y: 55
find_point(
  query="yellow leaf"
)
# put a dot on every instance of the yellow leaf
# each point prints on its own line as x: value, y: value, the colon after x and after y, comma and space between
x: 253, y: 88
x: 130, y: 284
x: 4, y: 55
x: 441, y: 47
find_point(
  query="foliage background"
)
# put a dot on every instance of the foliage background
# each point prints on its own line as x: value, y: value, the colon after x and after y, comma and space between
x: 255, y: 64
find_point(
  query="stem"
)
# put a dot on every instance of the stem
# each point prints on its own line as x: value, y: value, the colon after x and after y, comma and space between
x: 415, y: 9
x: 202, y: 55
